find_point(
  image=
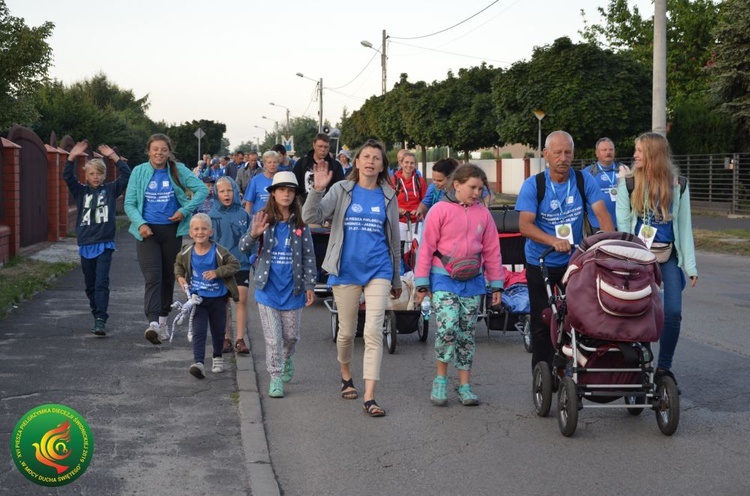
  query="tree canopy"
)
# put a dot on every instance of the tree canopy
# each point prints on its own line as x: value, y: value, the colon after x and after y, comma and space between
x: 25, y: 58
x: 588, y: 91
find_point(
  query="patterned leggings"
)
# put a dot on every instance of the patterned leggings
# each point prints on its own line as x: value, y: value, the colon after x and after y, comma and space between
x: 456, y: 317
x: 281, y: 330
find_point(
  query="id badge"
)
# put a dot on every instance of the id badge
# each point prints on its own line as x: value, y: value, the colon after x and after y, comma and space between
x: 613, y: 195
x: 647, y: 235
x: 564, y: 231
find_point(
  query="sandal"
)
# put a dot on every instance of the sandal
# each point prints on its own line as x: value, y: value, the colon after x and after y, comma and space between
x: 241, y: 347
x: 227, y: 346
x: 348, y: 391
x: 373, y: 409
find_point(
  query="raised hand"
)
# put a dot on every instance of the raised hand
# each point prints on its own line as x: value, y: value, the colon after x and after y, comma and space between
x: 322, y: 175
x: 259, y: 225
x: 78, y: 150
x: 108, y: 152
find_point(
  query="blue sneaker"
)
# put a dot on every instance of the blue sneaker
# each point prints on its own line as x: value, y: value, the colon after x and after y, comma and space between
x: 468, y: 398
x: 439, y: 394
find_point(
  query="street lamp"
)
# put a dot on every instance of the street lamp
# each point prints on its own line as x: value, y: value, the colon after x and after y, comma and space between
x: 320, y: 99
x: 539, y: 115
x: 383, y: 58
x: 288, y: 127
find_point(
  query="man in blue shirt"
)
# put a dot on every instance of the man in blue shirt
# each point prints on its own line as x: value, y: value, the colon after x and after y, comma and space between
x: 606, y: 172
x: 556, y: 221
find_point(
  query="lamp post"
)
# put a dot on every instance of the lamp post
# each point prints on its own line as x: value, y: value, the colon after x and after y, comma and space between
x: 320, y: 100
x: 288, y: 127
x: 539, y: 115
x: 275, y: 126
x: 383, y: 59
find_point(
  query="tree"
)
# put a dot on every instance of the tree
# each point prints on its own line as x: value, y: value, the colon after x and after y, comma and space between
x: 690, y: 41
x: 186, y: 144
x: 588, y: 91
x: 98, y: 110
x: 472, y: 125
x: 697, y: 127
x: 25, y: 58
x: 731, y: 66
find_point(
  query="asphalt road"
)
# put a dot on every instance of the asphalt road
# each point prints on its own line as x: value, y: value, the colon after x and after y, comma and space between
x: 322, y: 444
x: 159, y: 431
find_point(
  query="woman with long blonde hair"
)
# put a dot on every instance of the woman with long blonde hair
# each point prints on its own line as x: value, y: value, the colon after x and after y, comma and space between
x: 658, y: 212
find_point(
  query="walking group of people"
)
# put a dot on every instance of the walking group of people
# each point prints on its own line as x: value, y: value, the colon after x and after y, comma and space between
x: 259, y: 220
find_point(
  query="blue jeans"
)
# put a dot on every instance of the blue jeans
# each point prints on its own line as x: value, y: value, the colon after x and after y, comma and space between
x: 96, y: 277
x: 674, y: 282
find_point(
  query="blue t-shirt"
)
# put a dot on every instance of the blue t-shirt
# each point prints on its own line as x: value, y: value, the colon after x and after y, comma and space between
x: 256, y: 192
x: 561, y: 205
x: 664, y: 228
x: 160, y: 202
x: 201, y: 263
x: 606, y: 181
x: 472, y: 287
x: 365, y: 254
x: 278, y: 292
x: 93, y: 250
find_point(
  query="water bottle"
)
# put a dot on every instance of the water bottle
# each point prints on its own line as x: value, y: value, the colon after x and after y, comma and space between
x: 426, y: 308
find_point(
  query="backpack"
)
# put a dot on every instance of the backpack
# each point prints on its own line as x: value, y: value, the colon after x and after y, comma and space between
x: 630, y: 184
x: 541, y: 188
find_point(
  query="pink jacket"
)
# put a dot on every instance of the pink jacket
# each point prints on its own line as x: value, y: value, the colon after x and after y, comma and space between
x: 459, y: 231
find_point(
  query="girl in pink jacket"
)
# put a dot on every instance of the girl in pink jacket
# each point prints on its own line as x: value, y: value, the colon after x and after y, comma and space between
x: 459, y: 255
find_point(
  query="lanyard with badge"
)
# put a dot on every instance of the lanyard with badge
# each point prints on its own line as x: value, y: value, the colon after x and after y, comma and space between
x: 647, y: 233
x: 612, y: 180
x: 564, y: 230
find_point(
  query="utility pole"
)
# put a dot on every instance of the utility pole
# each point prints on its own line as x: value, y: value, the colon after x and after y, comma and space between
x: 383, y: 61
x: 320, y: 98
x: 659, y: 83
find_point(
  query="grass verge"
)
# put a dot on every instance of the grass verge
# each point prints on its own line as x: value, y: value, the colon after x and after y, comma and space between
x: 731, y: 241
x: 22, y: 277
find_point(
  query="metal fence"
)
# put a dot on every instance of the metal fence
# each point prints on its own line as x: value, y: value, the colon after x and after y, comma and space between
x: 718, y: 183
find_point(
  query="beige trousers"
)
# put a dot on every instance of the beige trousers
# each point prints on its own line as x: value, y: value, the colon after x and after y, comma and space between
x: 346, y: 296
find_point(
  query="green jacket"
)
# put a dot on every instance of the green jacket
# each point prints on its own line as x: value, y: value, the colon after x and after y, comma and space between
x: 136, y: 193
x: 682, y: 224
x: 226, y: 267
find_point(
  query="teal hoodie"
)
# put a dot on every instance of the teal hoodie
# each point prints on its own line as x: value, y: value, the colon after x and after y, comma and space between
x: 136, y: 193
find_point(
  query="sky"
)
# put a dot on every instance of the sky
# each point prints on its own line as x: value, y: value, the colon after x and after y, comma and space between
x: 226, y: 60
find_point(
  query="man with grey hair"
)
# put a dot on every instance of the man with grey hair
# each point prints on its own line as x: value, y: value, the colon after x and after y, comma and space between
x: 551, y: 206
x: 606, y: 172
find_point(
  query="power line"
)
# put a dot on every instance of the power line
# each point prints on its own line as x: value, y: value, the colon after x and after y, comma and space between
x: 453, y: 53
x: 358, y: 74
x: 443, y: 30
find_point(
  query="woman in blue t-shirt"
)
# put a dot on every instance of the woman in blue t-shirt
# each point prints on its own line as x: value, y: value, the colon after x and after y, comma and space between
x: 160, y: 199
x: 362, y: 255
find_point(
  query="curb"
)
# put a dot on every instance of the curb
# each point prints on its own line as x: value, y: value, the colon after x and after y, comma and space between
x: 253, y: 431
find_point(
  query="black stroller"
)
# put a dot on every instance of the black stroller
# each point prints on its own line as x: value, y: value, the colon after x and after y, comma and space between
x: 602, y: 332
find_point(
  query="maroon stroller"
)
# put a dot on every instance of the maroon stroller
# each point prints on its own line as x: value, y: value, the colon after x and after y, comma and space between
x: 602, y: 328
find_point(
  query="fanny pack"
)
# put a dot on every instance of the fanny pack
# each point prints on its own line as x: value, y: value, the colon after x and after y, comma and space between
x: 460, y: 268
x: 662, y: 251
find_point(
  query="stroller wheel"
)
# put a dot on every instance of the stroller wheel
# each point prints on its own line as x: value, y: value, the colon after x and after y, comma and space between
x: 527, y: 334
x: 334, y: 325
x: 567, y: 407
x: 390, y: 331
x: 423, y: 327
x: 667, y: 405
x: 635, y: 400
x: 541, y: 389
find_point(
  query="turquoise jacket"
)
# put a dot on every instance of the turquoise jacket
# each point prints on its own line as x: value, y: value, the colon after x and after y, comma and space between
x: 136, y: 192
x: 682, y: 224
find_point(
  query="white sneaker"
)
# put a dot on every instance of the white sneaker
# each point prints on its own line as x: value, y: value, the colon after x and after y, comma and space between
x: 152, y: 333
x: 164, y: 332
x: 218, y: 365
x: 197, y: 370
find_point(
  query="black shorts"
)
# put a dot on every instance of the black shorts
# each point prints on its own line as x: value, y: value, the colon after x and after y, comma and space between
x: 242, y: 277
